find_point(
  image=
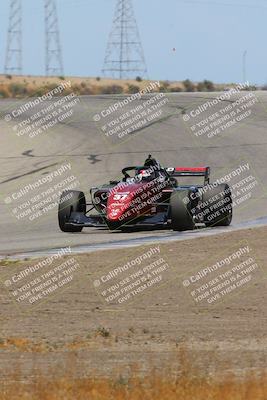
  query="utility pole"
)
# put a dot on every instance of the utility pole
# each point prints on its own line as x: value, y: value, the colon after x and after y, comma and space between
x: 54, y: 62
x: 124, y: 54
x: 13, y: 62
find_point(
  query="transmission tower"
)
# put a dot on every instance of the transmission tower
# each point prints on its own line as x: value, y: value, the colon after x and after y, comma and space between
x: 13, y: 62
x: 124, y: 54
x: 54, y: 63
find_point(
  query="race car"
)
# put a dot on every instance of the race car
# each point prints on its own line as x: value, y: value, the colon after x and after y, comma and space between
x: 149, y: 195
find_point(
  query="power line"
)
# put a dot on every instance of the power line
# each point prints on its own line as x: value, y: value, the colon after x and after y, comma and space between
x: 13, y: 62
x: 54, y: 61
x: 124, y: 54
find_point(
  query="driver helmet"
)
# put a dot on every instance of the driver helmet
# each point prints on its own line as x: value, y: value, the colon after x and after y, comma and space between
x: 145, y: 174
x: 152, y: 162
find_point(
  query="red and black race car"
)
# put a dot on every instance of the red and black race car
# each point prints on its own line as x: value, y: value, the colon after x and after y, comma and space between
x: 149, y: 195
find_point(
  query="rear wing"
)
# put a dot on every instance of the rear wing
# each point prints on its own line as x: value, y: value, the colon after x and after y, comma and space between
x: 185, y: 171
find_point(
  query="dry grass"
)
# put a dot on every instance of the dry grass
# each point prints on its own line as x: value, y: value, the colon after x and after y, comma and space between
x: 153, y: 387
x: 182, y: 381
x: 15, y: 344
x: 29, y: 86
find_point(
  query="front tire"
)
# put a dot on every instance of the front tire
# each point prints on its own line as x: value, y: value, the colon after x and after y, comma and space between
x: 181, y: 218
x: 70, y: 201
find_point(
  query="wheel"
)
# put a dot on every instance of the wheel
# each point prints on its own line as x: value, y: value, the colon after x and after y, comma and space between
x: 70, y: 201
x: 218, y: 211
x: 181, y: 218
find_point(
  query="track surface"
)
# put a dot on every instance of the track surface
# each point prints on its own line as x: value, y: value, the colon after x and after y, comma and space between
x: 96, y: 160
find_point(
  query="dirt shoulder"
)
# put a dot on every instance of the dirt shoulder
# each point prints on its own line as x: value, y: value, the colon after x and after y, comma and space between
x: 82, y: 322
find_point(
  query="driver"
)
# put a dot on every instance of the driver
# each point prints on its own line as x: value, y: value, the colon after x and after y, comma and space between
x: 152, y: 162
x: 155, y: 167
x: 146, y: 175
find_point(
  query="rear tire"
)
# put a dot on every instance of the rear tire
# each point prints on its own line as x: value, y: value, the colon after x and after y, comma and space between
x: 181, y: 218
x: 70, y: 201
x: 213, y: 196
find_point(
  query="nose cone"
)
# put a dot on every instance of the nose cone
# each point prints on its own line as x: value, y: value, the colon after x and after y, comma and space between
x: 121, y: 202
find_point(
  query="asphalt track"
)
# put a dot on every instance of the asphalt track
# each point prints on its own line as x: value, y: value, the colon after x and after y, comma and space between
x: 96, y: 159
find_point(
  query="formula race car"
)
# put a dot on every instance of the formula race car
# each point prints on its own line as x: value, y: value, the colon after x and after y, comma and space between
x: 149, y: 195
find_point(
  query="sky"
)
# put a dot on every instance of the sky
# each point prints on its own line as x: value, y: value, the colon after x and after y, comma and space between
x: 209, y: 37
